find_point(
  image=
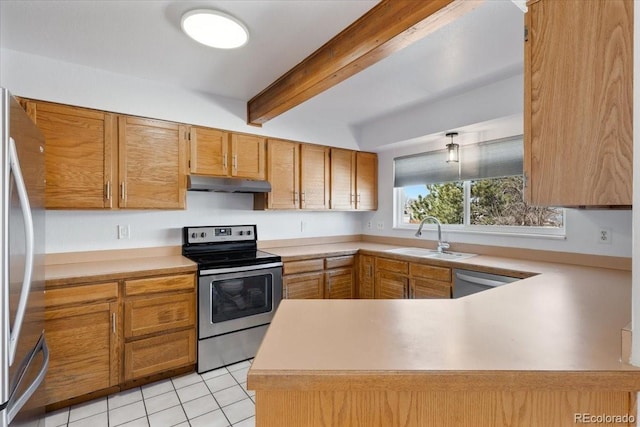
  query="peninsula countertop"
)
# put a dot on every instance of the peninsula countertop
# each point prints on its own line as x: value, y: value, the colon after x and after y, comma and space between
x: 560, y: 327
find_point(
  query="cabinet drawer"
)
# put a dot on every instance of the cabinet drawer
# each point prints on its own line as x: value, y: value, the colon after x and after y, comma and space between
x: 392, y: 265
x: 339, y: 261
x: 81, y: 294
x: 426, y: 288
x: 305, y: 266
x: 158, y: 354
x: 145, y: 316
x: 159, y: 284
x: 430, y: 272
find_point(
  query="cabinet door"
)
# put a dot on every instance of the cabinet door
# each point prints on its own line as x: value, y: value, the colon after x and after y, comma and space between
x: 298, y: 286
x: 79, y: 155
x: 248, y: 154
x: 365, y: 276
x: 428, y: 288
x: 314, y: 177
x: 339, y: 283
x: 209, y: 151
x: 159, y: 354
x: 366, y: 181
x: 83, y: 344
x: 152, y: 164
x: 578, y: 102
x: 148, y: 315
x: 391, y: 285
x: 283, y: 168
x: 343, y: 174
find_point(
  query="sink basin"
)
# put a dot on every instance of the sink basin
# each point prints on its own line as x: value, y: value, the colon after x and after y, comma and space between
x: 430, y: 253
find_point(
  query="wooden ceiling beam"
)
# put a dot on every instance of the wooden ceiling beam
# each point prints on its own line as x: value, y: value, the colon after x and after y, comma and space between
x: 387, y: 28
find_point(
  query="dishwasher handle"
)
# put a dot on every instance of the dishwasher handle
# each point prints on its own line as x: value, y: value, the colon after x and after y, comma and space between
x: 480, y: 280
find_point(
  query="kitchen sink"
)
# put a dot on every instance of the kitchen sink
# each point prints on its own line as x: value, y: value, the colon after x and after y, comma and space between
x: 430, y: 253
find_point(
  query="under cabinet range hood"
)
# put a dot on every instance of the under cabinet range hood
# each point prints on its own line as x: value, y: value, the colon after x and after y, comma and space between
x: 227, y: 185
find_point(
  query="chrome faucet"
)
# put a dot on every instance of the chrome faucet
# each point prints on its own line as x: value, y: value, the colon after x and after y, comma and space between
x: 441, y: 245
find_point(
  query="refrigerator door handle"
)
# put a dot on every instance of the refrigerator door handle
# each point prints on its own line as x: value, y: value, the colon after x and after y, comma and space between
x: 28, y: 265
x: 16, y: 404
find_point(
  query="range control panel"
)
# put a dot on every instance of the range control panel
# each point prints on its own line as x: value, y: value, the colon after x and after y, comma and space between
x: 219, y: 234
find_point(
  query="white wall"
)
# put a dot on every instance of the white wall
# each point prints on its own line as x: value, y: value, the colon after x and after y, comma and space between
x: 69, y: 231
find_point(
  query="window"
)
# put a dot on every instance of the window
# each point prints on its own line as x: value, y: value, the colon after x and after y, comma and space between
x: 484, y: 192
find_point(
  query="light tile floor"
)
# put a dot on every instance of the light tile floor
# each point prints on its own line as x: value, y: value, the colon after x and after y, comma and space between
x: 217, y: 398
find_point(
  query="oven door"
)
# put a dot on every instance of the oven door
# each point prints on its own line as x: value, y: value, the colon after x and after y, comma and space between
x: 232, y: 299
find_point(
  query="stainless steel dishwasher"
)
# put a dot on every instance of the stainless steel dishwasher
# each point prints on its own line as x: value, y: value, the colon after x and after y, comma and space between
x: 466, y: 282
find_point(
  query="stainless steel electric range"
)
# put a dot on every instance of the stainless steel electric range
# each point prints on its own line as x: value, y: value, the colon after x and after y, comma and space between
x: 239, y: 289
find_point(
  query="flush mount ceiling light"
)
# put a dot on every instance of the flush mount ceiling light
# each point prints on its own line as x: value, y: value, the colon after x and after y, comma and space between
x: 215, y: 29
x: 452, y: 149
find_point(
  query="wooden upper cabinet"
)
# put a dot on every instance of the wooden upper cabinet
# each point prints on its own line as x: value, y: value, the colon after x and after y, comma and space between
x: 209, y: 151
x: 218, y: 153
x: 79, y: 155
x: 366, y: 181
x: 283, y: 172
x: 343, y: 178
x: 248, y: 154
x: 314, y: 177
x: 578, y: 102
x: 152, y: 163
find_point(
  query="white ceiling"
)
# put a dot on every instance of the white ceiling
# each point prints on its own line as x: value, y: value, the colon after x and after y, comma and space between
x: 143, y: 39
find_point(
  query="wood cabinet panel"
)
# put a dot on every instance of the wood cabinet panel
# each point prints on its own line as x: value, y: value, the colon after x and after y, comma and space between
x: 428, y: 288
x: 314, y: 177
x: 248, y: 156
x: 160, y: 353
x: 209, y: 151
x: 366, y: 181
x: 152, y: 163
x: 339, y: 283
x: 304, y: 286
x: 148, y: 315
x: 283, y: 172
x: 392, y: 265
x: 339, y: 261
x: 578, y: 103
x: 391, y: 285
x: 81, y: 294
x: 365, y: 276
x: 84, y: 349
x: 304, y: 266
x: 343, y: 179
x: 180, y: 282
x: 79, y: 155
x: 430, y: 272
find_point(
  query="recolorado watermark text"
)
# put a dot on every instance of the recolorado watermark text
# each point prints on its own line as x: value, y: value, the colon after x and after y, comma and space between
x: 587, y: 418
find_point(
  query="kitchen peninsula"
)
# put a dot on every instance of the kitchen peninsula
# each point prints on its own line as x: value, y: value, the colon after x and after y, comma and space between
x: 538, y: 352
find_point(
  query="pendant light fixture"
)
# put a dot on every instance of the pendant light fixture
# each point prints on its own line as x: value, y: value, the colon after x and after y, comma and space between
x: 452, y: 149
x: 215, y: 29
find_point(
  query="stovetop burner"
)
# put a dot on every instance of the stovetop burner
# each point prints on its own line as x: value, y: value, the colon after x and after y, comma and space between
x: 224, y: 246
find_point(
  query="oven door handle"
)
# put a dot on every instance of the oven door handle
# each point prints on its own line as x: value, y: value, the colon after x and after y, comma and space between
x: 239, y: 269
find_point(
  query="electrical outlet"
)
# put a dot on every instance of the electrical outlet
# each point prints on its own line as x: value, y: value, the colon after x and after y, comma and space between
x: 380, y: 225
x: 369, y: 225
x: 124, y: 232
x: 605, y: 235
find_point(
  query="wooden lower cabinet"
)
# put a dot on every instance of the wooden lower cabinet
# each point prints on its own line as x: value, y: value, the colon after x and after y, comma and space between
x: 103, y: 335
x: 159, y: 324
x: 401, y: 279
x: 81, y: 324
x: 339, y: 283
x: 306, y: 285
x: 391, y: 285
x: 160, y: 353
x: 365, y: 276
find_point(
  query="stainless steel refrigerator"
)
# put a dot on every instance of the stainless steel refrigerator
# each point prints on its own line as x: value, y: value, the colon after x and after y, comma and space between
x: 23, y: 350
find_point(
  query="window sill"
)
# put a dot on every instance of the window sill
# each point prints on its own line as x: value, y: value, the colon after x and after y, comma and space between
x: 560, y: 235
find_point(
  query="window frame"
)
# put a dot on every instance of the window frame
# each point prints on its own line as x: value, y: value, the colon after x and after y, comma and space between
x: 467, y: 228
